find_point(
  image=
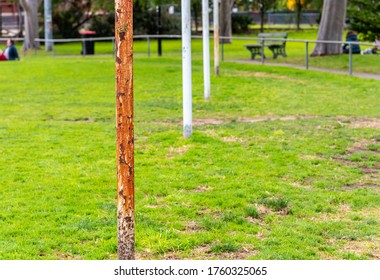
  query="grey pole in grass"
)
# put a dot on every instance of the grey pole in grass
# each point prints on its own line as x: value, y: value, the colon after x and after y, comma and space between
x: 186, y: 68
x: 216, y: 37
x: 206, y: 49
x: 350, y: 59
x: 124, y: 129
x: 48, y: 25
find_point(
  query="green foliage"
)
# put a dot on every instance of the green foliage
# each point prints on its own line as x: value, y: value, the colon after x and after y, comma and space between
x: 103, y: 25
x: 277, y: 204
x: 364, y: 18
x: 240, y: 23
x: 69, y: 17
x: 145, y: 20
x: 253, y: 212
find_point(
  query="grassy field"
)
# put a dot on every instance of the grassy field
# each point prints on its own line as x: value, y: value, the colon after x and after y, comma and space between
x: 282, y: 164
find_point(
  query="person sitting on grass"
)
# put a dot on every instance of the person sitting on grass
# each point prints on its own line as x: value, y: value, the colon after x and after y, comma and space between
x: 375, y: 49
x: 351, y: 37
x: 11, y: 51
x: 2, y: 56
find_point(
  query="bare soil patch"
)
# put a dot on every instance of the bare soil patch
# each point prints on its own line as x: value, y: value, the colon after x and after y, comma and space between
x: 201, y: 189
x: 258, y: 74
x: 370, y: 178
x: 177, y: 151
x: 274, y: 118
x: 370, y: 248
x: 365, y: 123
x: 204, y: 252
x: 197, y: 122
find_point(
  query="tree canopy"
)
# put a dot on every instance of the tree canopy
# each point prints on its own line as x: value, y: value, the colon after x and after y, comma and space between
x: 364, y: 18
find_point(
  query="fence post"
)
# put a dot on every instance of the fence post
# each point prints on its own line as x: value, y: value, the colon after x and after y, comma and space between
x: 350, y: 67
x: 113, y: 47
x: 222, y: 50
x: 307, y: 55
x: 148, y: 46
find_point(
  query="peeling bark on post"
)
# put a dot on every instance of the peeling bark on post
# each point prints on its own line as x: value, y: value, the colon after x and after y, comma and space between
x: 124, y: 129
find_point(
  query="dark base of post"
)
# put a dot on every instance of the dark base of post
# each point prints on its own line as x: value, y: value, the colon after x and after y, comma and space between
x: 159, y: 47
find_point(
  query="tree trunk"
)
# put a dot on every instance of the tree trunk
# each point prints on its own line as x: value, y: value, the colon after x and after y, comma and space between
x: 299, y: 13
x: 331, y: 27
x: 196, y: 16
x: 1, y: 20
x: 31, y: 23
x: 225, y: 20
x: 262, y: 15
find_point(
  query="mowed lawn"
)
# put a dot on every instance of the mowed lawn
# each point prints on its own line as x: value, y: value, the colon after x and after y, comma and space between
x: 282, y: 163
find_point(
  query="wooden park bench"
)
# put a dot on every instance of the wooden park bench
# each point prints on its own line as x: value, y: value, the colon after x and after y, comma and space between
x: 277, y: 47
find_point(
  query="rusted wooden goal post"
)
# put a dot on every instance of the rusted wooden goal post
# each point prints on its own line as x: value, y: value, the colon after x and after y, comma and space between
x: 124, y: 129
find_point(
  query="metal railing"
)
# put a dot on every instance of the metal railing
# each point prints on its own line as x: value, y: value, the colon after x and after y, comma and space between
x: 261, y: 41
x: 306, y: 42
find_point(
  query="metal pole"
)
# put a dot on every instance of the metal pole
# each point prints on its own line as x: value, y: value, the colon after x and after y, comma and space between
x: 307, y: 55
x: 159, y: 45
x: 216, y: 37
x: 113, y: 47
x: 124, y: 129
x: 262, y: 51
x: 222, y: 50
x: 148, y: 46
x: 206, y: 49
x: 48, y: 25
x: 350, y: 67
x: 186, y: 68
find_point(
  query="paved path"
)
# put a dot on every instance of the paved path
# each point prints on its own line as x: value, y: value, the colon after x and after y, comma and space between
x: 356, y: 74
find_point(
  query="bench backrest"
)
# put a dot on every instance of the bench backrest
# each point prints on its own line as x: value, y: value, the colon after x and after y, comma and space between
x: 279, y: 35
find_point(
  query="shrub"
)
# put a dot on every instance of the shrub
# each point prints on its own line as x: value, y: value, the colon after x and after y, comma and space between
x: 240, y: 23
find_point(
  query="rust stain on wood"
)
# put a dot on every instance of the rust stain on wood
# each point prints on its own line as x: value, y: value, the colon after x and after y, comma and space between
x: 125, y: 128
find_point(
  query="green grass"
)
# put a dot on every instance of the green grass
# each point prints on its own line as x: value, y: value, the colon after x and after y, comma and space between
x: 282, y: 164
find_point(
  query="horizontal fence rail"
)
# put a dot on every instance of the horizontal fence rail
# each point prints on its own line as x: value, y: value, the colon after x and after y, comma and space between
x: 148, y: 39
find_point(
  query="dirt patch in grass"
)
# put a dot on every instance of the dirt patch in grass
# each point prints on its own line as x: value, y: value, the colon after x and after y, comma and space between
x: 177, y: 151
x: 232, y: 139
x: 298, y: 185
x: 370, y: 248
x: 66, y: 256
x: 201, y: 189
x: 274, y: 118
x: 197, y: 122
x: 364, y: 146
x: 365, y: 123
x: 356, y: 156
x: 243, y: 253
x: 80, y: 120
x: 359, y: 186
x: 258, y: 74
x: 353, y: 122
x: 205, y: 252
x: 193, y: 226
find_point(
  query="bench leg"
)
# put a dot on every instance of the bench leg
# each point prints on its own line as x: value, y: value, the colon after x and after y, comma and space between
x: 276, y: 51
x: 254, y: 52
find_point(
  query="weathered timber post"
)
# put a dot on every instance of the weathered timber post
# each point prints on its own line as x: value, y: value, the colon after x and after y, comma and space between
x: 124, y: 129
